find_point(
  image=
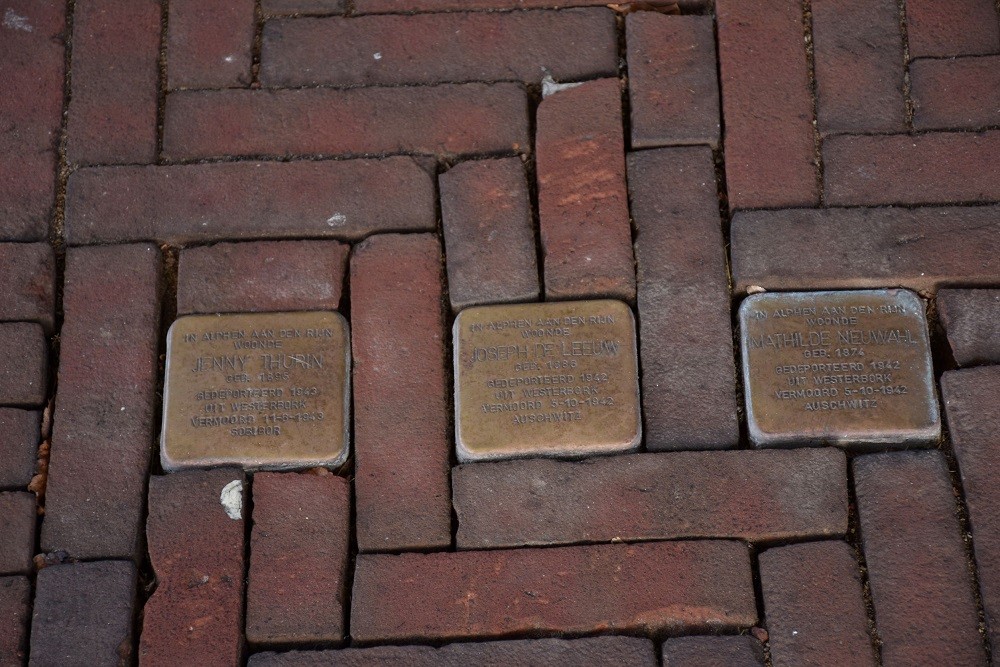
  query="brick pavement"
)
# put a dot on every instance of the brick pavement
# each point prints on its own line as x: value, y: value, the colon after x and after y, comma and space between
x: 400, y: 160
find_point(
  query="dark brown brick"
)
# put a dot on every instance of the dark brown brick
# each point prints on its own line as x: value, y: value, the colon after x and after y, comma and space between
x: 261, y: 277
x: 814, y: 606
x: 970, y: 402
x: 752, y: 495
x: 688, y: 375
x: 452, y: 47
x: 83, y: 614
x: 281, y: 7
x: 396, y: 6
x: 951, y: 27
x: 917, y: 568
x: 943, y: 167
x: 116, y: 70
x: 24, y: 365
x: 31, y: 69
x: 582, y: 197
x: 209, y: 44
x: 858, y: 55
x: 347, y: 199
x: 401, y: 439
x: 19, y: 437
x: 488, y: 233
x: 955, y: 93
x: 15, y: 613
x: 452, y: 119
x: 106, y: 405
x: 673, y: 84
x: 739, y: 651
x: 298, y: 558
x: 972, y: 321
x: 27, y: 282
x: 865, y: 248
x: 17, y: 532
x: 766, y: 104
x: 195, y: 615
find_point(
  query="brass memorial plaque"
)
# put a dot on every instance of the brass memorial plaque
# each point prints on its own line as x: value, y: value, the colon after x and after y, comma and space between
x: 850, y: 367
x: 547, y: 379
x: 264, y: 390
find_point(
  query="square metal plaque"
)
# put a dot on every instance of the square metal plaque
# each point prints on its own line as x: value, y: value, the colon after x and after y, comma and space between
x: 849, y: 367
x: 266, y: 391
x: 546, y: 379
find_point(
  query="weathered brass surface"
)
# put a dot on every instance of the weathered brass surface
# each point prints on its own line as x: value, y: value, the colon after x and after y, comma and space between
x: 546, y: 379
x: 263, y: 390
x: 849, y: 367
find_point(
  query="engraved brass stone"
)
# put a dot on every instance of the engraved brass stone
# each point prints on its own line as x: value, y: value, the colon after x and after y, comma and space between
x: 546, y: 379
x: 264, y: 390
x: 850, y: 367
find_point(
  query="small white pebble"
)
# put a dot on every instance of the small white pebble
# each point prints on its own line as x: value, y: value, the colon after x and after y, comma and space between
x: 377, y: 56
x: 232, y: 499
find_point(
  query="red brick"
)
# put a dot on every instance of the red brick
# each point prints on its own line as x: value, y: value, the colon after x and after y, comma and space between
x: 673, y: 84
x: 814, y: 605
x: 298, y: 558
x: 582, y: 198
x: 83, y: 614
x: 116, y: 70
x: 106, y: 406
x: 396, y: 6
x: 488, y: 233
x: 683, y: 298
x: 31, y: 68
x: 865, y: 248
x: 650, y: 588
x: 970, y: 402
x: 858, y: 54
x: 942, y: 167
x: 195, y: 615
x: 27, y: 283
x: 279, y: 7
x: 401, y: 438
x: 766, y: 104
x: 438, y: 120
x: 439, y: 48
x: 209, y: 43
x: 15, y: 613
x: 19, y: 437
x: 972, y: 321
x: 752, y: 495
x: 955, y: 93
x: 347, y: 199
x: 24, y: 365
x: 17, y: 532
x: 951, y: 27
x: 917, y: 568
x: 608, y: 651
x: 739, y: 651
x: 261, y: 277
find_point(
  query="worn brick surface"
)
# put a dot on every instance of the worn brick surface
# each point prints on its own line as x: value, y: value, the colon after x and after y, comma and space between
x: 19, y: 436
x: 970, y: 403
x: 865, y: 248
x: 307, y: 7
x: 858, y: 55
x: 952, y: 27
x: 195, y: 615
x: 451, y: 119
x: 393, y: 6
x: 106, y: 404
x: 917, y: 568
x: 262, y: 276
x: 767, y: 104
x: 298, y: 558
x: 27, y: 283
x: 209, y: 43
x: 83, y: 614
x: 955, y: 93
x: 31, y: 69
x: 751, y: 495
x: 582, y: 197
x: 488, y: 233
x: 15, y: 613
x: 24, y: 365
x: 739, y: 651
x: 943, y: 167
x: 17, y: 532
x: 971, y: 319
x: 401, y: 439
x: 449, y: 47
x: 688, y: 378
x: 673, y: 84
x: 344, y: 199
x: 814, y: 606
x: 113, y: 97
